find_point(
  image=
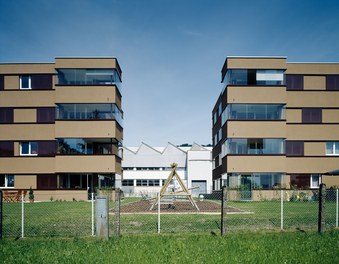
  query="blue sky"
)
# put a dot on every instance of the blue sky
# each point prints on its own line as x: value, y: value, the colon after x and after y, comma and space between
x: 171, y: 51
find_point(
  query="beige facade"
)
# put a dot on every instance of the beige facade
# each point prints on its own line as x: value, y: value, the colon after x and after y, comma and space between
x: 60, y: 126
x: 276, y: 124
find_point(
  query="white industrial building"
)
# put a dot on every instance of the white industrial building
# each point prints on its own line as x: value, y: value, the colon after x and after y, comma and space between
x: 146, y: 168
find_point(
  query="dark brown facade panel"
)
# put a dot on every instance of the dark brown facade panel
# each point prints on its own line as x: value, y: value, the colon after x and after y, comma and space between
x: 6, y: 115
x: 294, y: 148
x: 6, y: 148
x: 46, y: 181
x: 42, y: 81
x: 294, y: 82
x: 2, y: 82
x: 311, y: 115
x: 332, y: 82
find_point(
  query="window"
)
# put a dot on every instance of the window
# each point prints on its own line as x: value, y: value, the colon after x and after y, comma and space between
x: 312, y: 115
x: 25, y: 82
x: 127, y: 182
x: 332, y: 148
x: 6, y: 181
x: 254, y: 146
x: 254, y: 77
x: 332, y: 82
x: 28, y: 148
x: 294, y: 82
x: 294, y: 148
x: 89, y: 111
x: 142, y: 183
x: 85, y: 146
x: 315, y: 181
x: 254, y: 112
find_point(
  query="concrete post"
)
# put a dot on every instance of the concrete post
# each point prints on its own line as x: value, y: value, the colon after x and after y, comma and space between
x: 101, y: 206
x: 117, y: 212
x: 223, y: 211
x: 321, y: 215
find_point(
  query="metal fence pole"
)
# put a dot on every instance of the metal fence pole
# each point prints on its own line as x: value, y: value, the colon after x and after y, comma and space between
x: 321, y: 215
x: 22, y: 215
x: 158, y: 213
x: 281, y: 209
x: 117, y: 212
x: 1, y: 214
x: 223, y: 211
x: 337, y: 209
x: 92, y: 199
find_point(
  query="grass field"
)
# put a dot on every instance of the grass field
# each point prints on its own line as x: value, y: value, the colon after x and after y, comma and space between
x: 74, y: 219
x: 296, y: 247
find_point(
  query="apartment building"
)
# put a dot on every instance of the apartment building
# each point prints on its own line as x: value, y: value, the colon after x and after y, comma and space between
x: 146, y: 168
x: 276, y: 124
x: 60, y: 125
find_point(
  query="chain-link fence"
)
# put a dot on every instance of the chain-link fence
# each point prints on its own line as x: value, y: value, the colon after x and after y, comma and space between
x: 254, y: 211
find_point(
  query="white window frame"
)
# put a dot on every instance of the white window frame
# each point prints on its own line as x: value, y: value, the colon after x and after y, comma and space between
x: 6, y: 182
x: 333, y: 148
x: 29, y: 83
x: 311, y: 182
x: 29, y: 149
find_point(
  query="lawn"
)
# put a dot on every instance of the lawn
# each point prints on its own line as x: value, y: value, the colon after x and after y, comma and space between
x: 295, y: 247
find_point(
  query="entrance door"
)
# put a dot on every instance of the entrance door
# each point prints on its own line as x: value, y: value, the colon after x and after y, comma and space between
x: 246, y: 188
x: 202, y: 188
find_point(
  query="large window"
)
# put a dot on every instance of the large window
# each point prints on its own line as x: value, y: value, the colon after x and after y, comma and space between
x: 6, y: 181
x: 28, y: 148
x: 253, y: 112
x: 25, y: 82
x: 127, y: 182
x: 254, y: 77
x: 88, y: 77
x: 332, y: 148
x: 73, y: 146
x: 254, y: 146
x: 148, y: 182
x: 89, y: 111
x: 254, y: 181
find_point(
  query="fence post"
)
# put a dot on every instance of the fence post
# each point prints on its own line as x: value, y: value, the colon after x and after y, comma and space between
x: 117, y: 212
x: 281, y: 209
x: 92, y: 199
x: 321, y: 215
x: 223, y: 211
x: 337, y: 209
x: 158, y: 213
x: 22, y: 215
x: 1, y: 214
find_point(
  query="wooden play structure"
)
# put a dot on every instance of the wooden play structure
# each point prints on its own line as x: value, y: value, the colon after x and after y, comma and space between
x: 168, y: 193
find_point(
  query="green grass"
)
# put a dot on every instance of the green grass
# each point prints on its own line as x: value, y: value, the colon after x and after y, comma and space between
x: 189, y: 248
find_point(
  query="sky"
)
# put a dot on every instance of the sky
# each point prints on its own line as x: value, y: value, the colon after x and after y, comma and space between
x: 171, y: 51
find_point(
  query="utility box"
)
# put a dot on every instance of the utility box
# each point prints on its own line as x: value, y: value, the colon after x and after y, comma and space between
x: 102, y: 217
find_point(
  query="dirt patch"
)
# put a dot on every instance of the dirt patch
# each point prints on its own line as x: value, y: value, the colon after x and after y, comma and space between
x: 177, y: 207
